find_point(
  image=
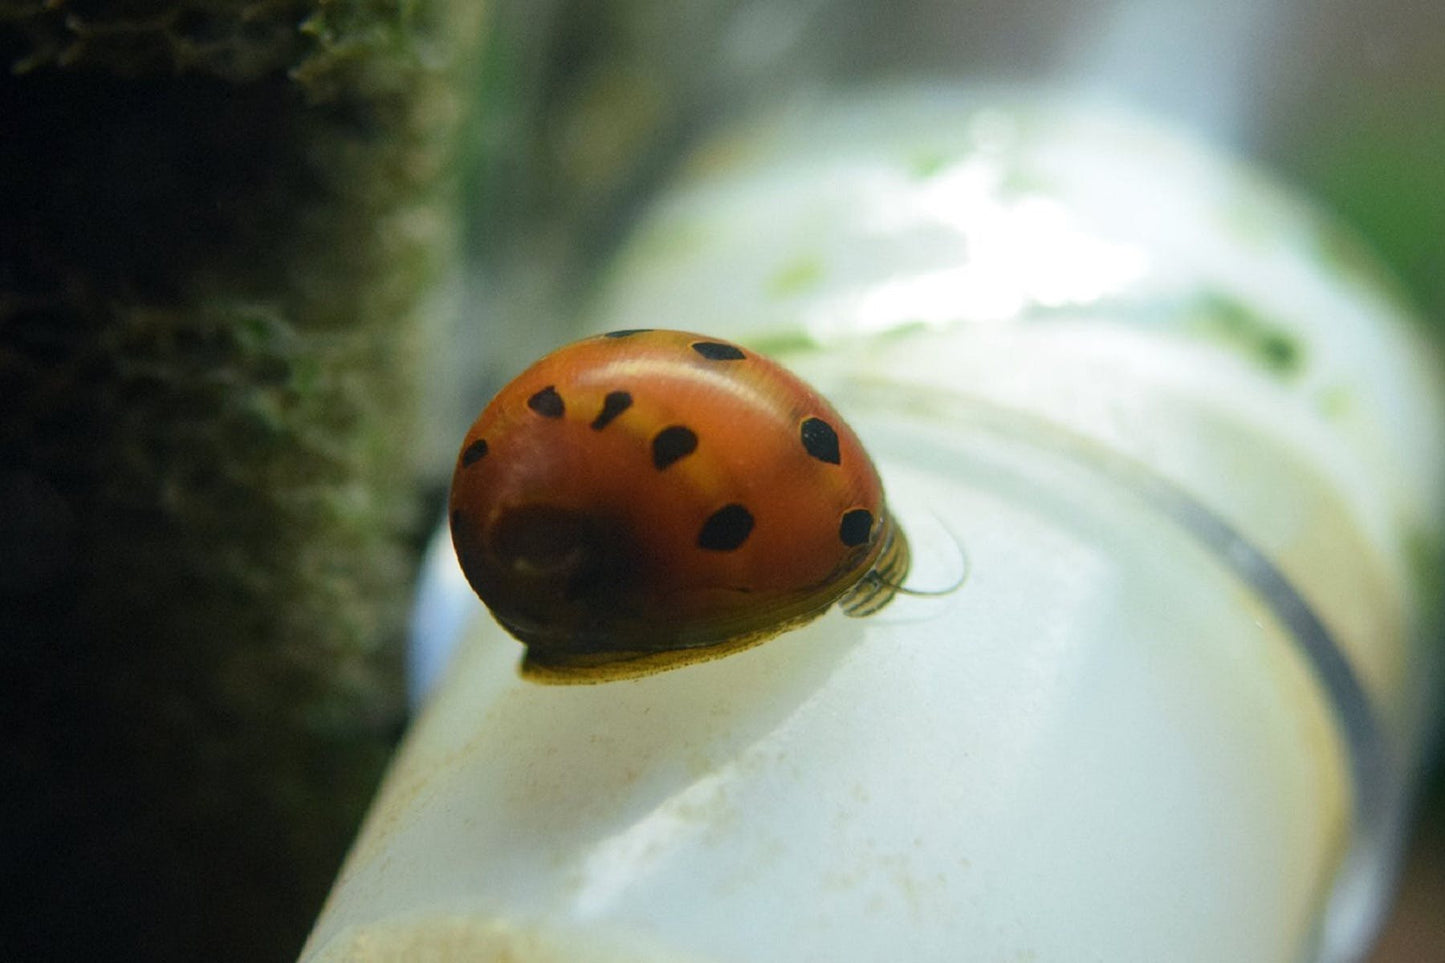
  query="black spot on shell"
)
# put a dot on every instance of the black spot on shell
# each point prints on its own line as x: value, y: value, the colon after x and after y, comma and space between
x: 547, y: 403
x: 820, y: 440
x: 718, y: 351
x: 670, y: 444
x: 474, y: 452
x: 856, y: 526
x: 613, y: 405
x: 626, y: 332
x: 726, y: 529
x: 456, y: 519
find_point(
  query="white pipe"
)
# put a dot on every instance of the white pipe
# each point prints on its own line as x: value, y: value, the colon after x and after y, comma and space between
x: 1192, y: 449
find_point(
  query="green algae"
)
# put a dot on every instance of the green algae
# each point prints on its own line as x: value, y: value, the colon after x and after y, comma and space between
x: 221, y: 220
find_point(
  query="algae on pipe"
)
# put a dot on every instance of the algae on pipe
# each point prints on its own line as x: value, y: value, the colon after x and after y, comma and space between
x: 1192, y: 461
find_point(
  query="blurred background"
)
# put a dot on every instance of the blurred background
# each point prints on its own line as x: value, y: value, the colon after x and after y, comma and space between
x: 260, y: 263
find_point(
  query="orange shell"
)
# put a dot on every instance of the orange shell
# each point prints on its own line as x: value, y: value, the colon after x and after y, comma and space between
x: 643, y: 499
